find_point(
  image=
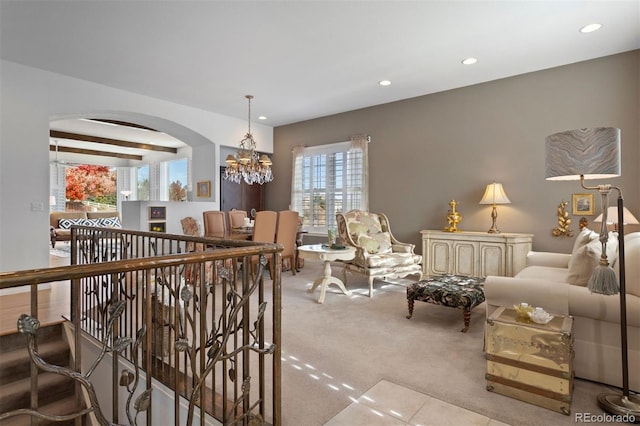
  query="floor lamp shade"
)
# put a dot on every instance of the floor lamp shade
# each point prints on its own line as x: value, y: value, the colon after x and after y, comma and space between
x: 593, y: 153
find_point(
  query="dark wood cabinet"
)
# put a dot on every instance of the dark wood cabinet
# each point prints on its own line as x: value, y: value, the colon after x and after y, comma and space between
x: 240, y: 196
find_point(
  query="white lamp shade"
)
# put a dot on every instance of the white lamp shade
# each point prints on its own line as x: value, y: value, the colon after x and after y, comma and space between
x: 612, y: 216
x: 126, y: 192
x: 593, y: 153
x: 494, y: 194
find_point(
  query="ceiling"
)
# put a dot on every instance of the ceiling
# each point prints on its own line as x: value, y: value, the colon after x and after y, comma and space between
x: 306, y: 59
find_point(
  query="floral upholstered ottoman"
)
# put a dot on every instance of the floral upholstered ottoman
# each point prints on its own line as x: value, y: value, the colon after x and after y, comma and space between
x: 455, y: 291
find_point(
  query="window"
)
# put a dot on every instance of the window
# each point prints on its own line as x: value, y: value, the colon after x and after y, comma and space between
x: 329, y: 179
x: 177, y: 173
x: 144, y: 184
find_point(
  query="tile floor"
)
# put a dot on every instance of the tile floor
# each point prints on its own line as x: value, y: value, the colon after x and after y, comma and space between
x: 388, y: 404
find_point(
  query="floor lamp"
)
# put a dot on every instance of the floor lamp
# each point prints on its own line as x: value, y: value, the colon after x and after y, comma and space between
x: 594, y: 153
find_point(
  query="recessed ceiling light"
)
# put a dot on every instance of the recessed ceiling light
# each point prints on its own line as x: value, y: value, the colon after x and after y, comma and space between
x: 262, y: 117
x: 590, y: 28
x: 469, y: 61
x: 384, y: 82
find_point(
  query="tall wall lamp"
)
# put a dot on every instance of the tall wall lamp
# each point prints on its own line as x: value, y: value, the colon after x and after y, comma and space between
x: 494, y: 194
x: 594, y: 153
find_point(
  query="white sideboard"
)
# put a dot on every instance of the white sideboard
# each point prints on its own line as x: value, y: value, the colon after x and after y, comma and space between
x: 477, y: 254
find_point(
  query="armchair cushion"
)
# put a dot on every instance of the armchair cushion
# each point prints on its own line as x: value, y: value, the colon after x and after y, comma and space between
x: 375, y: 243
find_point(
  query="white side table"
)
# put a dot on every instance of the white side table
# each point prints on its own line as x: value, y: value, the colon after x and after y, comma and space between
x: 327, y: 255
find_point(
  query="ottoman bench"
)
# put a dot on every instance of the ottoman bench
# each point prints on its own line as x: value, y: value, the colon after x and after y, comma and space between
x: 455, y: 291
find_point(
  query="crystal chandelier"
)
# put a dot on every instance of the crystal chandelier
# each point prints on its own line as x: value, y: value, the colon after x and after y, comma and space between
x: 246, y: 164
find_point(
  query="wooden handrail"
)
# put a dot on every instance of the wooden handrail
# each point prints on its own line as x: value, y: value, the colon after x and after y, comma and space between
x: 69, y: 272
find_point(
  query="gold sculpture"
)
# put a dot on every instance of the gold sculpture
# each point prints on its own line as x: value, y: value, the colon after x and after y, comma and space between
x: 563, y: 222
x: 453, y: 217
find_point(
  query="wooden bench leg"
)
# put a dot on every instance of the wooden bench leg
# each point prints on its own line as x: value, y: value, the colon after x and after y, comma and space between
x: 466, y: 313
x: 410, y: 302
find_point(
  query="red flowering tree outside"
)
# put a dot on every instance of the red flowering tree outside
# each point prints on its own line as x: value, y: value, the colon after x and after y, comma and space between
x: 89, y: 182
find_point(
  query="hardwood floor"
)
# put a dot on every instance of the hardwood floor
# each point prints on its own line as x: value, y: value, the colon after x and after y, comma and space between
x: 53, y: 303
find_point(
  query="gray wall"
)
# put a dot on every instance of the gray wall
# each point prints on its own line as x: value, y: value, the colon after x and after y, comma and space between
x: 428, y: 150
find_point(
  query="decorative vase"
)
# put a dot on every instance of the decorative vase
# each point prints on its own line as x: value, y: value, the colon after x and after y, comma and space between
x: 453, y: 217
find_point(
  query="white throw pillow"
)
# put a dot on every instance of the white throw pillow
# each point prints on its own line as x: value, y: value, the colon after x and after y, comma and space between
x: 584, y: 237
x: 587, y: 258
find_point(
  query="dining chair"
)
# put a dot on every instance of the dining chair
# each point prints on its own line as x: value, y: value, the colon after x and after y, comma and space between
x: 286, y: 233
x: 215, y: 224
x: 264, y: 231
x: 191, y: 227
x: 236, y: 218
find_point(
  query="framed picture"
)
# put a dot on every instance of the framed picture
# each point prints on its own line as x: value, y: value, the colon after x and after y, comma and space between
x: 583, y: 204
x: 203, y: 188
x: 157, y: 213
x: 158, y: 226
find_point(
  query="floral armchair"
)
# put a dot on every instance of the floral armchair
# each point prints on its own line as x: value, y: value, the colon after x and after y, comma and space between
x: 378, y: 253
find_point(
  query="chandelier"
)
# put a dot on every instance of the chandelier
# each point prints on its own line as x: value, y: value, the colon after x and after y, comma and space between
x: 246, y: 164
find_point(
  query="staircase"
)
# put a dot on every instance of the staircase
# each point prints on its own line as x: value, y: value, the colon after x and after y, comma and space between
x: 55, y: 392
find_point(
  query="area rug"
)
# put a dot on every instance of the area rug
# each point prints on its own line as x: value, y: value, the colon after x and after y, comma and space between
x: 61, y: 250
x: 334, y: 352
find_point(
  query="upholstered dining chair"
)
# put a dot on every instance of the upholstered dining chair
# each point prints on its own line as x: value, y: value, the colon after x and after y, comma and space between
x: 191, y: 227
x: 286, y: 232
x: 236, y: 218
x: 264, y: 231
x: 215, y: 224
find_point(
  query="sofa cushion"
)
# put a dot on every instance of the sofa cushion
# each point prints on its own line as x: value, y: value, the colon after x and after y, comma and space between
x: 546, y: 273
x: 632, y: 265
x: 587, y: 258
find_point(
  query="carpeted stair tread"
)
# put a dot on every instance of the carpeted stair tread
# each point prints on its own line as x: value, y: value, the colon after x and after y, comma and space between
x: 14, y: 365
x: 51, y: 387
x: 60, y: 407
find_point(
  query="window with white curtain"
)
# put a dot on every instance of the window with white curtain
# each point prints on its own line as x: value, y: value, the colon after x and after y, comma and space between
x: 328, y: 179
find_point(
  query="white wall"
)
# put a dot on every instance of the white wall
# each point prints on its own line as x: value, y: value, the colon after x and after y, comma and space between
x: 135, y: 214
x: 30, y: 98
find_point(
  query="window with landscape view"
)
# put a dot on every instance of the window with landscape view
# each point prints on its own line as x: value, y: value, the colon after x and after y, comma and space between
x: 91, y: 185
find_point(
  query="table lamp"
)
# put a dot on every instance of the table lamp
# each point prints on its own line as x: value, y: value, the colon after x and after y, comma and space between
x: 494, y: 194
x: 612, y: 214
x: 594, y: 153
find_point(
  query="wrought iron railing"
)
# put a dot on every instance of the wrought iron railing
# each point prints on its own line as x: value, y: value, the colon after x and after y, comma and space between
x: 194, y: 314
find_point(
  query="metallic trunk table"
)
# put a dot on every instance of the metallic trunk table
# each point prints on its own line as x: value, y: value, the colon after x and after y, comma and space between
x: 327, y: 255
x: 530, y: 362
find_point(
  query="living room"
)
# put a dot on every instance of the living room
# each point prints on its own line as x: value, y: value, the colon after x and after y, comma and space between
x: 424, y: 151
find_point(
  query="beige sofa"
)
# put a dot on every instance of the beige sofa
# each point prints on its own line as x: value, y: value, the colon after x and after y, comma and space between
x: 62, y: 232
x: 546, y: 281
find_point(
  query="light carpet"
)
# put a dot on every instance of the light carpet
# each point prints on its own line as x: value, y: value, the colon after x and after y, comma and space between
x: 61, y: 250
x: 334, y: 352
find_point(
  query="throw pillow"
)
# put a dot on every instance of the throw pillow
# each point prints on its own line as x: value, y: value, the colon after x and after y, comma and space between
x: 584, y: 237
x: 91, y: 222
x: 376, y: 243
x: 587, y: 258
x: 66, y: 223
x: 109, y: 222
